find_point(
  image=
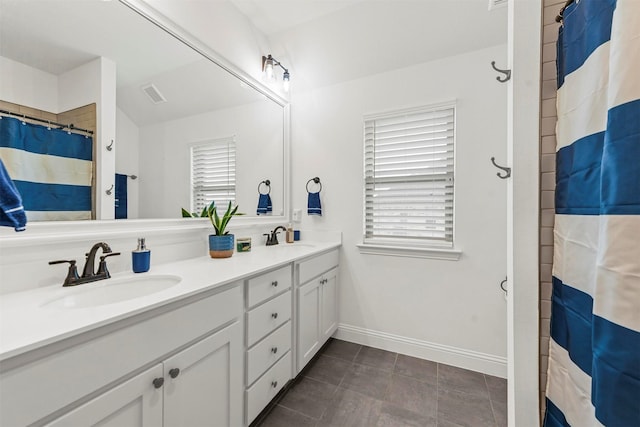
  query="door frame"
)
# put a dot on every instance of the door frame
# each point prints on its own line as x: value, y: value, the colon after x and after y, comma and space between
x: 523, y: 153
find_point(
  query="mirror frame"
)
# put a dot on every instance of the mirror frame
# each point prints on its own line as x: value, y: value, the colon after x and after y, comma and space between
x: 79, y: 230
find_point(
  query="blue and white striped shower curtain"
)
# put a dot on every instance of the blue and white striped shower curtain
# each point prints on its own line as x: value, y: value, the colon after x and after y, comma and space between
x: 51, y: 168
x: 594, y: 353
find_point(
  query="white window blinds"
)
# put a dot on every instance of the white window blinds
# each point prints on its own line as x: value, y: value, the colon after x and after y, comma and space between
x: 409, y: 177
x: 213, y: 173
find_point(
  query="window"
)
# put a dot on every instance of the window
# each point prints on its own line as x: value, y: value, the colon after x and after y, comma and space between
x: 408, y: 163
x: 213, y: 173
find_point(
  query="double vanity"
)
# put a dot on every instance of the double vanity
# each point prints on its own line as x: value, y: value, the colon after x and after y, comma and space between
x: 192, y: 342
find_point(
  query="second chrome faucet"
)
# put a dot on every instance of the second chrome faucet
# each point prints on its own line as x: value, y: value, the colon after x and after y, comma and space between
x: 272, y: 239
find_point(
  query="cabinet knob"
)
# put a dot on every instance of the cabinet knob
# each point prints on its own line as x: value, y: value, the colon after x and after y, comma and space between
x: 274, y: 315
x: 274, y: 350
x: 274, y: 384
x: 174, y: 372
x: 274, y: 283
x: 158, y: 382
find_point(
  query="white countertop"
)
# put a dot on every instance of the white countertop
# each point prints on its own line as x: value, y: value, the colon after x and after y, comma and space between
x: 25, y: 324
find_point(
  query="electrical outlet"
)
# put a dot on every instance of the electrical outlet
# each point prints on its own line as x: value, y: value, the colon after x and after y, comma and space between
x: 297, y: 215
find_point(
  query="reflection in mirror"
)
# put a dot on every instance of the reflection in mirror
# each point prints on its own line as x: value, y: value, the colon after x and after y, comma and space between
x: 159, y: 105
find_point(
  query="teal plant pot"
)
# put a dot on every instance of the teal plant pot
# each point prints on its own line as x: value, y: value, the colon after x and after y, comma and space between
x: 221, y: 246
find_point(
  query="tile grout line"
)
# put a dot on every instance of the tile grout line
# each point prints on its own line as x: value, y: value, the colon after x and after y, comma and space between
x: 493, y: 412
x: 437, y: 393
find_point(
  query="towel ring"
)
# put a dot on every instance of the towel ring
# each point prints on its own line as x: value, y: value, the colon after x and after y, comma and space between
x: 268, y: 184
x: 315, y: 180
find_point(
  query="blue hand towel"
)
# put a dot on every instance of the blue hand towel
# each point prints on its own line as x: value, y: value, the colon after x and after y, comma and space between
x: 313, y: 204
x: 11, y: 209
x: 121, y: 198
x: 264, y: 204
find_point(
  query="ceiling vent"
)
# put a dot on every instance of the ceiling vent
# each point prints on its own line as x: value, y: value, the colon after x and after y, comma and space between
x: 495, y: 4
x: 154, y: 94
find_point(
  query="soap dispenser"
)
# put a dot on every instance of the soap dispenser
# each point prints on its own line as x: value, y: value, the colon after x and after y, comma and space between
x: 289, y: 234
x: 141, y: 257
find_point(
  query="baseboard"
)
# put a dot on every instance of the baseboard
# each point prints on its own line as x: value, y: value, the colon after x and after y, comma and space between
x: 454, y: 356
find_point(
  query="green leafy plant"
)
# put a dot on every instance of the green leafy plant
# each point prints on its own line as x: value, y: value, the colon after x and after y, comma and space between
x: 219, y: 222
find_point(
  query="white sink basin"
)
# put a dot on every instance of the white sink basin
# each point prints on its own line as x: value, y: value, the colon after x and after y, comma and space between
x: 110, y: 291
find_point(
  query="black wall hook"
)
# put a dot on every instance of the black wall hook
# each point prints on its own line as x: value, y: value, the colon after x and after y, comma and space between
x: 507, y: 73
x: 505, y: 169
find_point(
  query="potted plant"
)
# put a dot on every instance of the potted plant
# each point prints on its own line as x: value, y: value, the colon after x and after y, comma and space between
x: 221, y: 242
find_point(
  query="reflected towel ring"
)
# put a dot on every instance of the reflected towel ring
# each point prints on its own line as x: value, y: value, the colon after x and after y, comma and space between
x: 268, y: 184
x: 315, y: 180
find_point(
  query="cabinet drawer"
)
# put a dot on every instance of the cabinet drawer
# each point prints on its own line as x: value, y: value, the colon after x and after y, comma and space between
x: 267, y: 317
x: 317, y: 265
x: 266, y: 352
x: 265, y: 286
x: 265, y: 389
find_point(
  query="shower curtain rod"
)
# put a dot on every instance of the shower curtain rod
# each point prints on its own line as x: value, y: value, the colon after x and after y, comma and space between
x: 59, y: 125
x: 559, y: 16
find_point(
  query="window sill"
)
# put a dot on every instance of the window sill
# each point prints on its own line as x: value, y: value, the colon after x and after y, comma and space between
x: 411, y: 252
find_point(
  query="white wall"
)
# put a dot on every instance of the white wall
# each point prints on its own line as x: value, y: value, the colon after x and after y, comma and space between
x: 28, y: 86
x: 165, y: 157
x: 127, y: 158
x: 450, y: 311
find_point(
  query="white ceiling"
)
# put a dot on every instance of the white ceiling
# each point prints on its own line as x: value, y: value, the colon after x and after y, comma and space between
x: 325, y: 42
x: 274, y: 16
x: 58, y: 36
x: 321, y: 41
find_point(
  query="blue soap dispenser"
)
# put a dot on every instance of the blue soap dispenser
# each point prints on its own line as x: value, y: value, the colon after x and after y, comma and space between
x: 141, y: 257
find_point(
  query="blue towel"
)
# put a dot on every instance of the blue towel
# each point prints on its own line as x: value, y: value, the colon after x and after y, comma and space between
x: 11, y: 209
x: 313, y: 204
x: 121, y: 196
x: 264, y: 204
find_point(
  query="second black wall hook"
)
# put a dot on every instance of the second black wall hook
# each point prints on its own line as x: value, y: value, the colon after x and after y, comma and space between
x: 505, y: 169
x: 507, y: 73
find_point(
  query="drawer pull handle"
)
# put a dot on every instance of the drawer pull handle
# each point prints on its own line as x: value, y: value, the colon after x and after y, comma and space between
x: 274, y: 384
x: 173, y: 373
x: 274, y: 315
x: 274, y: 350
x: 158, y: 382
x: 274, y: 283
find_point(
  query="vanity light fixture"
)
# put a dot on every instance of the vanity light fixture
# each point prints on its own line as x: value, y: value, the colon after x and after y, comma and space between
x: 268, y: 63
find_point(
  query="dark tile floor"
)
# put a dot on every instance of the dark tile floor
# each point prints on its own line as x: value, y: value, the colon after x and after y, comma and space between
x: 350, y: 385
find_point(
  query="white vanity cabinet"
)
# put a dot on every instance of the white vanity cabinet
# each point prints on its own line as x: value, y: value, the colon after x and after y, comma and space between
x: 190, y: 388
x: 317, y: 305
x: 268, y: 304
x: 181, y: 364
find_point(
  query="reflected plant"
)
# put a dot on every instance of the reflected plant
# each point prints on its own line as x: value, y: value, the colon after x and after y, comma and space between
x: 219, y: 222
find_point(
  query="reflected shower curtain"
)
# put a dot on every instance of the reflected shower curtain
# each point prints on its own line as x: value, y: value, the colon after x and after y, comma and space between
x: 594, y: 353
x: 51, y: 168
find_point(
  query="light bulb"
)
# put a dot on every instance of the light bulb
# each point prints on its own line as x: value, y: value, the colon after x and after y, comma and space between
x: 286, y: 81
x: 268, y: 69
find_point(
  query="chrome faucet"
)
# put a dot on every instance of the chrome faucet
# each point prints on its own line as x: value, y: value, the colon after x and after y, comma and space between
x: 273, y: 238
x: 88, y: 272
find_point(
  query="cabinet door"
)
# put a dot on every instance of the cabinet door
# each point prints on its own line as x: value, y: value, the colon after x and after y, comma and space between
x: 329, y: 317
x: 136, y: 402
x: 203, y: 383
x: 309, y: 328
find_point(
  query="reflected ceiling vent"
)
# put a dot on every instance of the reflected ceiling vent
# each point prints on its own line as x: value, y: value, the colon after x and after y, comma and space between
x: 496, y: 4
x: 154, y: 94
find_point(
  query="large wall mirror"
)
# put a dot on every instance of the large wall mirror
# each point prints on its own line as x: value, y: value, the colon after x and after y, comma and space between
x: 156, y: 98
